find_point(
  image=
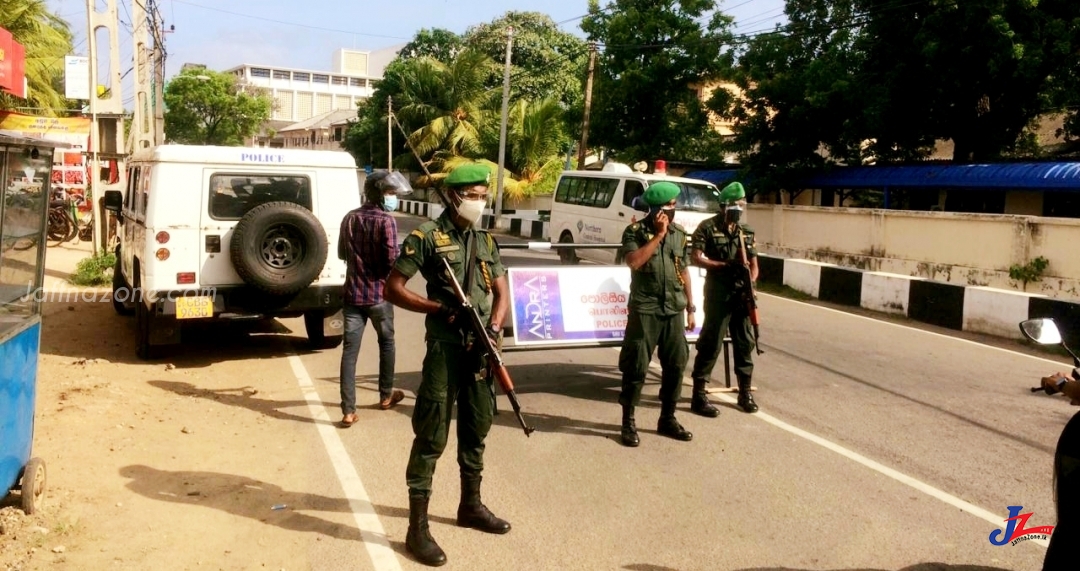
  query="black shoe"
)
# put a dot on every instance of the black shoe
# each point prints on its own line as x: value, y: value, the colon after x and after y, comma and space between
x: 629, y: 434
x: 418, y: 540
x: 668, y: 426
x: 629, y: 428
x: 473, y: 513
x: 746, y: 401
x: 699, y: 403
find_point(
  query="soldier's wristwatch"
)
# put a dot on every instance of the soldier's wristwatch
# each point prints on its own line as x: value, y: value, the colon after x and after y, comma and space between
x: 691, y: 309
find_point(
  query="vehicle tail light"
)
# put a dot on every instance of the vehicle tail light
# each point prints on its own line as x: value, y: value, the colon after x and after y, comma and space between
x: 162, y: 237
x: 185, y: 278
x: 162, y: 254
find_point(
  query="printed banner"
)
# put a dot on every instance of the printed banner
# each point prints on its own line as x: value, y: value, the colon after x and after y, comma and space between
x: 58, y: 128
x: 562, y: 305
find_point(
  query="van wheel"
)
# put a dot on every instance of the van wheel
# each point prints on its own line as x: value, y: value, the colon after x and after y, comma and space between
x: 317, y: 337
x: 279, y: 247
x: 567, y: 256
x: 120, y: 287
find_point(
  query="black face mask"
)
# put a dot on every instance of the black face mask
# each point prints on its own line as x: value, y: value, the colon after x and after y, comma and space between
x: 669, y: 212
x: 733, y: 216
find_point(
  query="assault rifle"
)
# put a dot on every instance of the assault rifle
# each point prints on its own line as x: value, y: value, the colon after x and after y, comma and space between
x: 747, y: 292
x: 490, y: 352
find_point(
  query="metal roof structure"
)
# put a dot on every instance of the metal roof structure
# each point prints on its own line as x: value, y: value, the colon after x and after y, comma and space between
x: 1004, y: 176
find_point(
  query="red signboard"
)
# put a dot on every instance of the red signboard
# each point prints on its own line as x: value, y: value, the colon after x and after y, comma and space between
x: 12, y: 65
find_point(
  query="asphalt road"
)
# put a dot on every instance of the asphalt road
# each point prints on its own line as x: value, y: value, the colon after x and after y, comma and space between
x: 878, y: 446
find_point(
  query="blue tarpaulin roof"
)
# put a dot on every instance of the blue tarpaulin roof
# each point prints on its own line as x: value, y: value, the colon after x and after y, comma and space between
x: 717, y: 177
x: 1012, y: 176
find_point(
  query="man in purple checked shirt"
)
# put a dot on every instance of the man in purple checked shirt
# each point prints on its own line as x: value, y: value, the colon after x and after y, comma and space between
x: 368, y: 244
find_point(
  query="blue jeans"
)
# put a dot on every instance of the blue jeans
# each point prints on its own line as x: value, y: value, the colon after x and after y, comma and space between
x: 356, y: 318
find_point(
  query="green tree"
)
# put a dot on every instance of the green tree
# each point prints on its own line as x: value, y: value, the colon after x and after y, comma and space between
x: 536, y: 143
x: 438, y: 43
x: 797, y: 96
x: 977, y: 72
x: 545, y: 61
x: 47, y: 39
x: 205, y: 107
x: 654, y: 52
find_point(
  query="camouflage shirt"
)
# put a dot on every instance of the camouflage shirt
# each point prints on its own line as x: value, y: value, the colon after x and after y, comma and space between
x: 657, y: 286
x: 423, y: 251
x: 717, y: 243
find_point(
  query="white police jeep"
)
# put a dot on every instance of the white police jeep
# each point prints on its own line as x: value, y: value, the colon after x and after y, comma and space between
x: 214, y: 233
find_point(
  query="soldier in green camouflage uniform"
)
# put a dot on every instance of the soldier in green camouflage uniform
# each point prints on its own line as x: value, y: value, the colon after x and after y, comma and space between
x: 716, y: 248
x: 655, y: 249
x: 451, y: 370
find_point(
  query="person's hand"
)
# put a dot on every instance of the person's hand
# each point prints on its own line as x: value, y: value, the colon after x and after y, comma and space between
x: 449, y: 314
x: 691, y: 321
x: 661, y: 223
x: 1050, y: 384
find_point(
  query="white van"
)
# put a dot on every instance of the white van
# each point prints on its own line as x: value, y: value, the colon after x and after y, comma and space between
x: 595, y: 207
x: 211, y: 233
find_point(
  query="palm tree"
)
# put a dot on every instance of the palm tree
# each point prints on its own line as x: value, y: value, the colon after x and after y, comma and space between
x: 47, y: 39
x: 447, y: 105
x: 536, y: 137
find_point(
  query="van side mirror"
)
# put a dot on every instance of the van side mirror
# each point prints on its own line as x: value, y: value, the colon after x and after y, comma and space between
x: 114, y: 200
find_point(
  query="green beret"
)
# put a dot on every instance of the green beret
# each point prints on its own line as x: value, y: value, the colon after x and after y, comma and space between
x: 732, y: 192
x: 473, y: 173
x: 660, y: 193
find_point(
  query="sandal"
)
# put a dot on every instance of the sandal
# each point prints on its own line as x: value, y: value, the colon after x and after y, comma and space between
x: 349, y: 420
x: 395, y: 398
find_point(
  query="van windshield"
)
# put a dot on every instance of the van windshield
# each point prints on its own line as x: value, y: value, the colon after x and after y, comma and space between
x: 698, y: 197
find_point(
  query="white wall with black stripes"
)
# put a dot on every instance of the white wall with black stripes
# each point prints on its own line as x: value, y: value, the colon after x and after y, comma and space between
x: 975, y: 309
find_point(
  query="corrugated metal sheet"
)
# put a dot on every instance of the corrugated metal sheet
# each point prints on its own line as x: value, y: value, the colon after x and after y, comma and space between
x: 1014, y: 176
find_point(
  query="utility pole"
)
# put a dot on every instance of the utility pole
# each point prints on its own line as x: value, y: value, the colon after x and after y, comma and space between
x: 106, y: 114
x: 588, y: 105
x: 389, y: 133
x: 502, y: 128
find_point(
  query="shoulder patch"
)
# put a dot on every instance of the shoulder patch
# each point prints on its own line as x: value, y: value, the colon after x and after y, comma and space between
x: 417, y: 233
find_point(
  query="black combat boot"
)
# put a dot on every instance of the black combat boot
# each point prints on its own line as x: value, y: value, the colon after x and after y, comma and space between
x: 699, y: 403
x: 629, y: 428
x: 746, y: 400
x: 668, y: 426
x: 473, y: 513
x: 418, y: 540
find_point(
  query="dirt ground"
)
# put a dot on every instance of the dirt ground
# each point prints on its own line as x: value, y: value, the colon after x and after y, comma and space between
x: 130, y: 446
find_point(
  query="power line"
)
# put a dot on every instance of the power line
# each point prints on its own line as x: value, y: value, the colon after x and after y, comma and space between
x: 350, y: 32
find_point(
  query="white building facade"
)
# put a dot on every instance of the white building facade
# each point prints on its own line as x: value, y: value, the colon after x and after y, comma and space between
x: 300, y: 94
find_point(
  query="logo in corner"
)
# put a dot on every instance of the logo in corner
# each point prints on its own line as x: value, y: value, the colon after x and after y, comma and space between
x: 1016, y: 529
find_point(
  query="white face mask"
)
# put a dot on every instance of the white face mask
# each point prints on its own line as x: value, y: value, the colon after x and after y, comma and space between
x: 472, y: 210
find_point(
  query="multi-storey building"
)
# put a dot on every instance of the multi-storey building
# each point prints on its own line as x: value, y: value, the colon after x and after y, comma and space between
x: 300, y: 94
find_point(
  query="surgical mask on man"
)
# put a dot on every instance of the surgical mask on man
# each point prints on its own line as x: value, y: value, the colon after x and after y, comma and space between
x: 390, y: 202
x: 472, y: 210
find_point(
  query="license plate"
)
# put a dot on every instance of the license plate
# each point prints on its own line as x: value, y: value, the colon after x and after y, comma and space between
x: 194, y: 307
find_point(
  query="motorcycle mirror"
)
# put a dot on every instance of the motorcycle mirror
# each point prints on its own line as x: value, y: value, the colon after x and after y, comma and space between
x: 1042, y: 331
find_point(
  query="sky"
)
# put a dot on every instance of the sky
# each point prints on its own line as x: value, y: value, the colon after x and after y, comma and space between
x: 305, y: 33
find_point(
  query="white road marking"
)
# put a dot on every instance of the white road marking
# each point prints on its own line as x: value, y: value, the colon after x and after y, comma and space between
x: 876, y: 466
x: 371, y: 529
x: 910, y: 328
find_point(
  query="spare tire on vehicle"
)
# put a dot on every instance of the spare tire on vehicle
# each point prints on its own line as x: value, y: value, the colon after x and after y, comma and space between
x: 279, y: 247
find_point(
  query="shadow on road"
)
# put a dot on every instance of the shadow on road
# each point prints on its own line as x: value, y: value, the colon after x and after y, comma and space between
x: 242, y: 397
x: 242, y: 496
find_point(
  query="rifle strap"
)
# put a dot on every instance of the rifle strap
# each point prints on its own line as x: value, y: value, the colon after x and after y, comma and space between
x: 470, y: 261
